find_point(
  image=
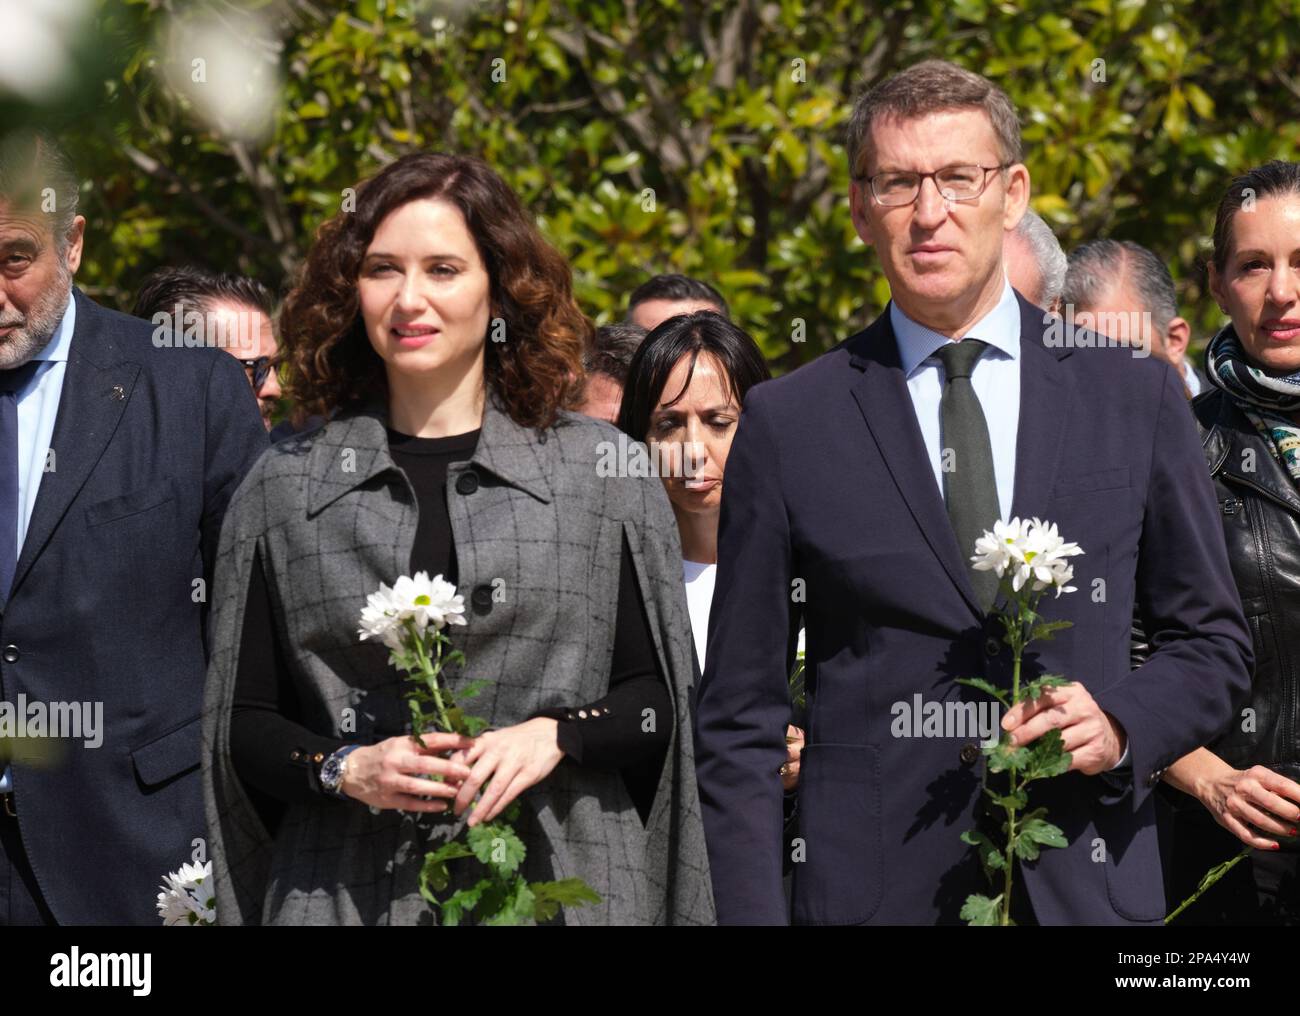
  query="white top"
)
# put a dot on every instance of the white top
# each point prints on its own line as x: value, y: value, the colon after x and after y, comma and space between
x: 699, y: 597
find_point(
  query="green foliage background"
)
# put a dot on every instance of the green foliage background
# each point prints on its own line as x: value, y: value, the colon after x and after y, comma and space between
x: 702, y: 137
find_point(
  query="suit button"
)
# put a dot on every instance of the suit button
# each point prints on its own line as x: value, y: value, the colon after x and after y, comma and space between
x: 970, y: 754
x: 467, y: 482
x: 992, y: 646
x: 481, y: 598
x: 11, y: 654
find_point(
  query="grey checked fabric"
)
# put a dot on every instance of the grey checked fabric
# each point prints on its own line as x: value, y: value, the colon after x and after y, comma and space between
x: 333, y: 517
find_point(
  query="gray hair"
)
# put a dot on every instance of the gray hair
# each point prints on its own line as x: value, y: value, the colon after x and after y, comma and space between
x: 932, y: 86
x: 1097, y: 266
x: 612, y: 349
x: 33, y: 168
x: 1048, y: 254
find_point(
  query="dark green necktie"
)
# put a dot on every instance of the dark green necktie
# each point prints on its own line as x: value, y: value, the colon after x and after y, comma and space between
x: 969, y: 485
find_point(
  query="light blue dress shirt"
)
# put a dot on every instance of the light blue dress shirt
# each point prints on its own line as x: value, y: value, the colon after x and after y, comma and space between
x: 38, y: 406
x: 995, y: 378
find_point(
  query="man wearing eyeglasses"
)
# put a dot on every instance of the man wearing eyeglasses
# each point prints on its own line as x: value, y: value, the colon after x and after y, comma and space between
x: 856, y: 488
x: 191, y: 306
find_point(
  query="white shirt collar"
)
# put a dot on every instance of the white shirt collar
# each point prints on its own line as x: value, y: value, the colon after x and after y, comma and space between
x: 1000, y: 328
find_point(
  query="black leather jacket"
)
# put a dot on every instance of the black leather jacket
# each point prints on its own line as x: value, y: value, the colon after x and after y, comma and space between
x: 1260, y: 508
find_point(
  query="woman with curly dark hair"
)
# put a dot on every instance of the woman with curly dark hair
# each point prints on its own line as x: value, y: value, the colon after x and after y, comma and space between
x: 436, y: 330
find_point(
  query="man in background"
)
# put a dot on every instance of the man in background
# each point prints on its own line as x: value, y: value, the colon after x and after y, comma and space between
x: 231, y: 311
x: 1130, y: 295
x: 1035, y: 262
x: 666, y: 296
x: 606, y: 364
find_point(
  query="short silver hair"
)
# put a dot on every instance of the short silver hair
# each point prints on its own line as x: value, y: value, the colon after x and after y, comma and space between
x: 1097, y: 266
x: 32, y: 168
x: 1048, y: 254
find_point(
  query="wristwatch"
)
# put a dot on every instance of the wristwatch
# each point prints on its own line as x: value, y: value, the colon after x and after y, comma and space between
x: 333, y: 768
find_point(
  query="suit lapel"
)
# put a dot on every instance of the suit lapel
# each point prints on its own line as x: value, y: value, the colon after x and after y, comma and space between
x: 886, y: 406
x: 97, y: 385
x: 1046, y: 393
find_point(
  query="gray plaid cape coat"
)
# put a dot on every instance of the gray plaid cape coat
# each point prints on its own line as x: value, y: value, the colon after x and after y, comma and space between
x: 537, y: 532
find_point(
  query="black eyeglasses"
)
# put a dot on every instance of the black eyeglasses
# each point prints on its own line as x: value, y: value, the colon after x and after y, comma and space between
x: 259, y: 370
x: 956, y: 183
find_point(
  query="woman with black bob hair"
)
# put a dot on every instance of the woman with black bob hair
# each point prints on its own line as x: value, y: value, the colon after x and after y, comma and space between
x: 683, y: 396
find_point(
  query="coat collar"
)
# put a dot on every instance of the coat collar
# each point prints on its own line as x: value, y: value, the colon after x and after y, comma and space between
x: 1227, y: 433
x: 516, y: 455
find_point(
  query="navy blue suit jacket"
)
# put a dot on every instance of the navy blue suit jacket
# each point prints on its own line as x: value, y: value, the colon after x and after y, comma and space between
x: 149, y: 444
x: 828, y: 482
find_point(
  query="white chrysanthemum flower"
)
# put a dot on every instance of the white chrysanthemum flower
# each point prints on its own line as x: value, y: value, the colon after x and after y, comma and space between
x: 432, y: 600
x: 1045, y: 556
x: 426, y: 601
x: 172, y: 909
x: 186, y: 892
x: 998, y: 550
x: 1030, y: 551
x: 202, y: 905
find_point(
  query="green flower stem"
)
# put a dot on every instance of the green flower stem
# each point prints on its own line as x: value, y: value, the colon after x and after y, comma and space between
x: 429, y: 671
x: 1011, y: 812
x: 1211, y: 876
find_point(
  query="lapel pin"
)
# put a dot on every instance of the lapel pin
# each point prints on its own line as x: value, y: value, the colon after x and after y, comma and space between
x: 119, y: 392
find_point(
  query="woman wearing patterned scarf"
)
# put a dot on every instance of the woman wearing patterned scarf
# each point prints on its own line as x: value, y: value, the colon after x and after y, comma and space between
x: 1247, y: 779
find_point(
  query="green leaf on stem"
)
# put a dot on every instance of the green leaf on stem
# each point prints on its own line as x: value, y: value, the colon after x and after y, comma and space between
x: 1003, y: 756
x: 471, y: 689
x: 1032, y: 690
x: 1047, y: 757
x: 516, y: 905
x: 462, y: 901
x: 1019, y: 800
x: 980, y: 911
x: 1048, y: 629
x: 498, y: 846
x: 568, y: 892
x: 991, y: 857
x: 987, y: 687
x: 475, y: 725
x: 1036, y: 831
x: 434, y: 872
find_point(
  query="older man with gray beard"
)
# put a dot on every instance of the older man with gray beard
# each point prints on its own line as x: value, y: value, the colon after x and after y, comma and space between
x: 117, y: 460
